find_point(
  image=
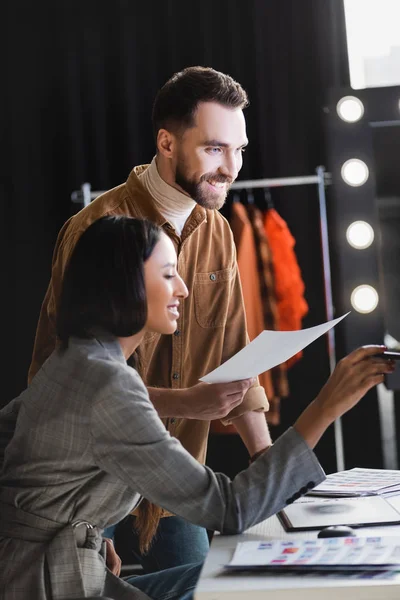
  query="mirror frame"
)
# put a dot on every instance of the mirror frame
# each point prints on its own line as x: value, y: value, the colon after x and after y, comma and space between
x: 352, y: 267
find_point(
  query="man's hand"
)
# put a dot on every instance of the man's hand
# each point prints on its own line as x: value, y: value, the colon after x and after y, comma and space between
x: 204, y: 401
x: 113, y: 561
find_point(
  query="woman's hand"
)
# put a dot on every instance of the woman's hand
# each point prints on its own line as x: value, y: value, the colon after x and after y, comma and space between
x: 352, y: 378
x: 113, y: 561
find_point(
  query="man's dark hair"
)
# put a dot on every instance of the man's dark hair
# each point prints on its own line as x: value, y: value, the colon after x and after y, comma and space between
x: 176, y: 102
x: 103, y: 285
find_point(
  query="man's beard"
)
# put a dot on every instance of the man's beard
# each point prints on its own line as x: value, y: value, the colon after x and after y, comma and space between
x: 196, y: 189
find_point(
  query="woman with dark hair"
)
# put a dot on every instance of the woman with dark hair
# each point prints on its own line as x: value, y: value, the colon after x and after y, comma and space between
x: 83, y: 443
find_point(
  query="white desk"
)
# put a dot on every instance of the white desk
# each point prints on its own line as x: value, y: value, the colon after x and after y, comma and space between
x: 215, y: 584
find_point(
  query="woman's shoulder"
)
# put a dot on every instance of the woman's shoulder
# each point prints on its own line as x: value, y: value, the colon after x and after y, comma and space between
x: 116, y: 374
x: 109, y: 367
x: 88, y: 366
x: 118, y: 389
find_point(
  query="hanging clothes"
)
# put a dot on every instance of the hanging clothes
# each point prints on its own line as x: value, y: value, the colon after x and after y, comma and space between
x: 269, y: 303
x: 249, y: 277
x: 289, y: 285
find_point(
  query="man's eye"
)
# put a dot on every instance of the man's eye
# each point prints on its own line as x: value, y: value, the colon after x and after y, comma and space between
x: 214, y: 150
x: 169, y: 276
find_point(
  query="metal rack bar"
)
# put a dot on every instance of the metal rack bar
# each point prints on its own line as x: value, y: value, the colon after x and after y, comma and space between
x: 330, y: 312
x: 275, y: 182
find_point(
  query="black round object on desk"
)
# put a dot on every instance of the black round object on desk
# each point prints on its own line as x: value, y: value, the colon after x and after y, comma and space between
x: 336, y: 531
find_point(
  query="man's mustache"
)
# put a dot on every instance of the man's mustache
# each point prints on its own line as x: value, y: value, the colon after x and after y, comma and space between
x: 217, y: 177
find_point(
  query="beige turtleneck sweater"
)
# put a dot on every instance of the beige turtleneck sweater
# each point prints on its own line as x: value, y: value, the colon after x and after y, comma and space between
x: 172, y: 204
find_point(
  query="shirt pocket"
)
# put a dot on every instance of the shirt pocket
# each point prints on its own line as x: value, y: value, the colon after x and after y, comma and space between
x: 211, y: 297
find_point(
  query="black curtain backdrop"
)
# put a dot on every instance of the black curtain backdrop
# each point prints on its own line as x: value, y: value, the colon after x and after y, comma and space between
x: 78, y: 84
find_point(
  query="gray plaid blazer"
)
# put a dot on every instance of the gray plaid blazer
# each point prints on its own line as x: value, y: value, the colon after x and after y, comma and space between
x: 82, y: 443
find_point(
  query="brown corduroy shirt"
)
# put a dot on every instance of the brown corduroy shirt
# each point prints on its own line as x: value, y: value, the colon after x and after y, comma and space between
x: 211, y: 327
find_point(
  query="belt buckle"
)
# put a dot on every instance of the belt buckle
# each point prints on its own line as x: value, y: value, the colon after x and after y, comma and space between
x: 80, y: 522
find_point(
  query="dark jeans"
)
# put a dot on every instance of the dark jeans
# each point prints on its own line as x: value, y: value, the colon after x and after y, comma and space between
x: 176, y: 543
x: 171, y: 584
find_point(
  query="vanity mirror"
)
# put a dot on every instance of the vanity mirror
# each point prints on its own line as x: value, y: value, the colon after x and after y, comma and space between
x: 363, y: 141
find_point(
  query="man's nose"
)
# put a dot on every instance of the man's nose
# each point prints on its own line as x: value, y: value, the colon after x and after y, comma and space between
x: 229, y: 167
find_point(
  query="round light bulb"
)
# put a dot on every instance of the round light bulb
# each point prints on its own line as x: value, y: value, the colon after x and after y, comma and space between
x: 350, y: 109
x: 355, y: 172
x: 364, y: 299
x: 360, y: 235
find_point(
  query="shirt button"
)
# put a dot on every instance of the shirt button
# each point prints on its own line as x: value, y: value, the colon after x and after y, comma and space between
x: 177, y: 332
x: 175, y: 376
x: 213, y: 277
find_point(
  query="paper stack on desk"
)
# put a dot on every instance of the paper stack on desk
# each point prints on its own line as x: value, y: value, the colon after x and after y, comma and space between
x: 359, y: 482
x: 328, y: 554
x: 356, y: 497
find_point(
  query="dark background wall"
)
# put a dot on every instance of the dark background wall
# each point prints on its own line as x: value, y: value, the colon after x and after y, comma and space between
x: 78, y: 81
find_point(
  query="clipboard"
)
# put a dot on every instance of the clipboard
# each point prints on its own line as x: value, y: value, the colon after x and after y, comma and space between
x: 310, y: 513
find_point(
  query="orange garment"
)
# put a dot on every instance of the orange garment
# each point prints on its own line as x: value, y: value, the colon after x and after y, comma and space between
x: 248, y: 271
x: 266, y: 274
x: 289, y: 285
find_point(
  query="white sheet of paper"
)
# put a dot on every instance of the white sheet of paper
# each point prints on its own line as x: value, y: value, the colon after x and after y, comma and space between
x: 267, y: 350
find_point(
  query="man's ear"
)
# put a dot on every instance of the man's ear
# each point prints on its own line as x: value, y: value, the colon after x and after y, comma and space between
x: 166, y: 143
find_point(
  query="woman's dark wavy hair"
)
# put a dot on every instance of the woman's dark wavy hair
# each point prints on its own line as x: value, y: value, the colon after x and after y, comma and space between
x: 103, y: 285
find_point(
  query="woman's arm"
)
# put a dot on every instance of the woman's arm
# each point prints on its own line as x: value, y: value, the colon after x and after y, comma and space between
x: 131, y: 442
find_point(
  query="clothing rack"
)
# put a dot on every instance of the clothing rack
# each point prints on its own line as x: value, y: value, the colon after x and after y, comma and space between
x: 322, y: 179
